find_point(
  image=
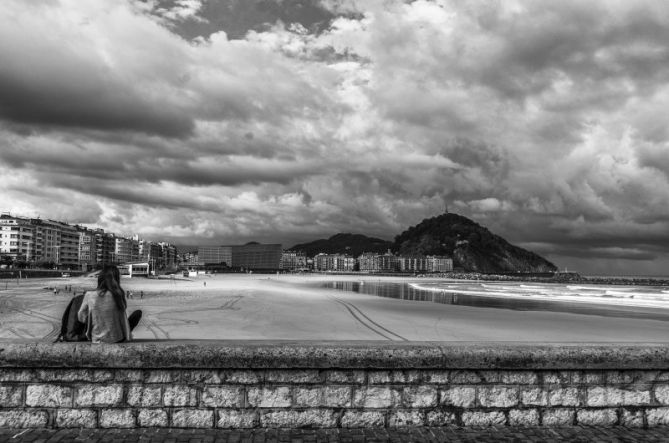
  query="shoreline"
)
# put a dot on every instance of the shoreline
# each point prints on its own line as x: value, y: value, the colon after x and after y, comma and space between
x: 287, y: 307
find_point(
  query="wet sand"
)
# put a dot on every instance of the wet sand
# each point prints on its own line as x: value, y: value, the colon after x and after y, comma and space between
x: 257, y: 307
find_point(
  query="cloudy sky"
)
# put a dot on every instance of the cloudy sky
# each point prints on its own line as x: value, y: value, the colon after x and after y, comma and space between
x: 225, y: 121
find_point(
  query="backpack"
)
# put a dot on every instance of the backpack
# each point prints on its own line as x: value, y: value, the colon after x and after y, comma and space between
x: 71, y: 329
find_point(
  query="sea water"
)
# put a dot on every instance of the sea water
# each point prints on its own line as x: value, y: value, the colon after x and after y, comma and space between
x: 651, y: 302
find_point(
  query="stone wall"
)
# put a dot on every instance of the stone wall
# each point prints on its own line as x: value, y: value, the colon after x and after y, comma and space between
x: 265, y: 384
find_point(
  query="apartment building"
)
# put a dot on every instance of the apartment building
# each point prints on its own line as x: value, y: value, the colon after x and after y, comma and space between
x: 293, y: 261
x: 334, y: 262
x: 370, y: 262
x: 17, y: 238
x: 87, y: 250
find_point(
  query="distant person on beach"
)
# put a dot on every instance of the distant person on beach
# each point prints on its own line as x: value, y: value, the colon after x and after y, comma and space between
x: 104, y: 310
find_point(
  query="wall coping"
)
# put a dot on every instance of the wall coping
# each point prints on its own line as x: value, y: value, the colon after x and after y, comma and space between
x: 240, y: 354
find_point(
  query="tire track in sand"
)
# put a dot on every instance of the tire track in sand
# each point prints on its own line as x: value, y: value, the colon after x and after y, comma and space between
x: 367, y: 322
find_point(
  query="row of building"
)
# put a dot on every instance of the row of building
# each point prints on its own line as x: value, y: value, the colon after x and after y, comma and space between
x: 52, y: 243
x: 373, y: 262
x: 256, y: 256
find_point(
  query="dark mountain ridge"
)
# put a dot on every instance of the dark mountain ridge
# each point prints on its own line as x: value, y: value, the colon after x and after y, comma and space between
x: 352, y: 244
x: 473, y: 247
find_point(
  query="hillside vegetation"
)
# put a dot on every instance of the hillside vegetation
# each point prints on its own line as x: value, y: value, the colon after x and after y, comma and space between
x: 472, y: 247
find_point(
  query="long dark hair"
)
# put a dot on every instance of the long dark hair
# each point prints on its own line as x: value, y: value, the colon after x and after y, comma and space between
x: 109, y: 280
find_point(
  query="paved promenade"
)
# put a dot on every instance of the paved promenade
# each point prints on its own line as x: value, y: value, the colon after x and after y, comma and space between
x: 583, y: 434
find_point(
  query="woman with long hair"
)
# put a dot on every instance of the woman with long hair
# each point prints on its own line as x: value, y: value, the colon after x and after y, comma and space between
x: 103, y: 310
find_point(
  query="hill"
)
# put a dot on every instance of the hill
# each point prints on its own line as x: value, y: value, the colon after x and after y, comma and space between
x: 473, y: 247
x: 352, y: 244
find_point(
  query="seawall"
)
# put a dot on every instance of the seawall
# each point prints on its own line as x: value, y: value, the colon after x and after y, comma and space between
x: 223, y: 384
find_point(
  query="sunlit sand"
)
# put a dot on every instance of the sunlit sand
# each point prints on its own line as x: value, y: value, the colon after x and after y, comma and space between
x: 240, y: 306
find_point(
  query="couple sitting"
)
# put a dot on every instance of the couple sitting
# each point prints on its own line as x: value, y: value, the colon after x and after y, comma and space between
x: 103, y: 310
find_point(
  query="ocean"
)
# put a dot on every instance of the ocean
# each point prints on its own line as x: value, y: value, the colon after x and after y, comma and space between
x: 649, y: 302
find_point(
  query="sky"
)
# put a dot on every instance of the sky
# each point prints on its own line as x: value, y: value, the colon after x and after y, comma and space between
x: 227, y: 121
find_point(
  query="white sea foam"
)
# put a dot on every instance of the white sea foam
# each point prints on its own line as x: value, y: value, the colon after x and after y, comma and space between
x: 604, y: 295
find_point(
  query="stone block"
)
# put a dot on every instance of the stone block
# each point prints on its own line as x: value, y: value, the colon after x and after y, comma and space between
x: 563, y: 397
x: 376, y: 397
x: 662, y: 394
x: 558, y: 417
x: 193, y: 418
x: 345, y: 377
x: 319, y: 418
x: 98, y: 395
x: 102, y: 375
x: 531, y: 396
x: 337, y: 397
x: 399, y: 419
x: 223, y: 396
x: 76, y: 418
x: 610, y: 396
x: 242, y: 377
x: 509, y: 377
x: 209, y: 376
x: 23, y: 419
x: 179, y: 395
x: 420, y: 396
x: 24, y: 375
x: 556, y: 377
x: 363, y: 419
x: 49, y: 396
x: 11, y: 396
x: 117, y: 418
x: 152, y: 418
x: 597, y: 417
x: 276, y: 397
x: 378, y: 377
x: 465, y: 377
x: 163, y: 376
x: 632, y: 419
x: 524, y: 417
x: 630, y: 377
x: 308, y: 397
x: 289, y: 376
x: 64, y: 375
x: 589, y: 378
x: 480, y: 418
x: 144, y: 395
x: 332, y: 396
x: 654, y: 416
x: 128, y: 375
x: 460, y: 396
x: 232, y: 419
x: 497, y: 396
x: 440, y: 418
x: 440, y: 377
x: 392, y: 377
x: 519, y: 377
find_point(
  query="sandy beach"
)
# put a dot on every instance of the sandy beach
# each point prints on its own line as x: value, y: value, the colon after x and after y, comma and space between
x: 241, y: 306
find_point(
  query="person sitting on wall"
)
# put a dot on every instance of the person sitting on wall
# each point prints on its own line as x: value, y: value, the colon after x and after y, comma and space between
x: 103, y: 310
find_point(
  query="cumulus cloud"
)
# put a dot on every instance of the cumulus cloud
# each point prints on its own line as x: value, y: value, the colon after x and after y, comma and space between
x: 207, y: 121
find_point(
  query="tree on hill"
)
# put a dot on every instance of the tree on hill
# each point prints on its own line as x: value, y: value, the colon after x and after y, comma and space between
x: 344, y: 243
x: 473, y: 247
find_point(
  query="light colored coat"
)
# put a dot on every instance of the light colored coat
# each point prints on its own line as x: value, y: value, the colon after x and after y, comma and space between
x: 105, y: 321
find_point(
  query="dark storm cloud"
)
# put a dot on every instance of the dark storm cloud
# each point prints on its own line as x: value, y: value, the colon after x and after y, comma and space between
x: 237, y: 17
x: 92, y: 105
x: 290, y: 119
